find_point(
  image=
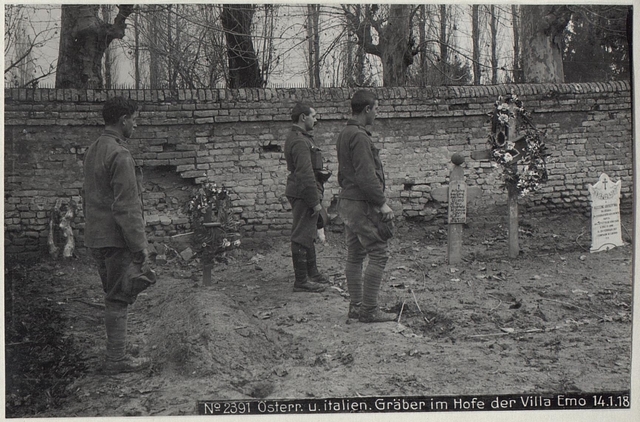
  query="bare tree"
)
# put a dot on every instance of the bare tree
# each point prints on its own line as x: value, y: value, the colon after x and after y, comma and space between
x: 444, y: 56
x: 136, y: 51
x: 355, y: 72
x: 395, y: 45
x: 313, y: 35
x: 268, y: 28
x: 244, y: 71
x: 517, y: 66
x: 178, y: 46
x: 542, y: 36
x: 109, y: 59
x: 25, y: 63
x: 475, y: 35
x: 84, y: 37
x: 494, y: 44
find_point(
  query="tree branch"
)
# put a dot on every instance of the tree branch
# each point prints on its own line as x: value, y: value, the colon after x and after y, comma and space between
x: 362, y: 31
x: 116, y: 30
x: 20, y: 59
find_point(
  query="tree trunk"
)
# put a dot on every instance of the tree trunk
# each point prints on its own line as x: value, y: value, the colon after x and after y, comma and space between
x: 423, y: 45
x: 108, y: 60
x: 354, y: 72
x: 395, y: 41
x: 475, y: 30
x: 153, y: 41
x: 542, y: 30
x: 494, y: 45
x: 137, y: 51
x: 171, y: 75
x: 444, y: 59
x: 394, y: 45
x: 244, y: 71
x: 316, y: 45
x: 360, y: 76
x: 313, y: 35
x: 517, y: 66
x: 84, y: 37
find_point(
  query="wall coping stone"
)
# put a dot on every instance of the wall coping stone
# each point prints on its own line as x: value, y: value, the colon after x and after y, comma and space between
x: 245, y: 95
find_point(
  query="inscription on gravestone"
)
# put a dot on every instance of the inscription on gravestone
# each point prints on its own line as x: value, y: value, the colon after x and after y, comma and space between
x: 458, y: 203
x: 605, y: 214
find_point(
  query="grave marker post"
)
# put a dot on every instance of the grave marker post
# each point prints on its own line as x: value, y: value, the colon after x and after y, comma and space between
x: 456, y: 195
x: 512, y: 199
x: 210, y: 226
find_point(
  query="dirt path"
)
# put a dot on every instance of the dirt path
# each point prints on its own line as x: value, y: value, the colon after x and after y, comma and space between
x: 557, y: 319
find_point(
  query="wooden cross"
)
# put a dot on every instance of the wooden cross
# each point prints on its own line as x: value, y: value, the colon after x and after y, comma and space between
x: 212, y: 226
x: 512, y: 201
x: 456, y: 194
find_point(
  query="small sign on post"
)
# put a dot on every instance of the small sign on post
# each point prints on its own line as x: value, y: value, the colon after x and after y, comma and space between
x: 456, y: 195
x: 457, y: 200
x: 605, y: 214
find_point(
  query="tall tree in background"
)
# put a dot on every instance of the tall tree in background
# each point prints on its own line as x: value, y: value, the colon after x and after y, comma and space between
x: 596, y: 44
x: 109, y: 59
x: 313, y: 35
x: 268, y: 49
x: 183, y: 46
x: 244, y: 71
x: 443, y: 59
x: 542, y: 37
x: 179, y: 46
x: 84, y: 37
x: 355, y: 71
x: 422, y: 45
x: 395, y: 41
x: 25, y: 64
x: 494, y: 44
x: 517, y: 65
x: 475, y: 36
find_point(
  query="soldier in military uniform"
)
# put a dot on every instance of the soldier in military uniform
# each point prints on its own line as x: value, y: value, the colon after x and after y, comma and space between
x: 363, y: 207
x: 304, y: 192
x: 115, y: 228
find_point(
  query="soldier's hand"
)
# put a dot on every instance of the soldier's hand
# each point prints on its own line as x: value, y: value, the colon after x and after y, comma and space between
x: 140, y: 257
x: 387, y: 212
x: 317, y: 209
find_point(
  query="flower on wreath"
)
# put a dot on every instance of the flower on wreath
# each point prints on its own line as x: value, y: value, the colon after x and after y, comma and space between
x: 212, y: 202
x: 524, y: 166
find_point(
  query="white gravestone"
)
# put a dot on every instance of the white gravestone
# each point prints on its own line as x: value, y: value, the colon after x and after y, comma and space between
x: 605, y: 214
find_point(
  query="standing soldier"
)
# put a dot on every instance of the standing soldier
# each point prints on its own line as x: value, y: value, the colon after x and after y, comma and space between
x: 304, y: 192
x: 115, y: 228
x: 364, y: 210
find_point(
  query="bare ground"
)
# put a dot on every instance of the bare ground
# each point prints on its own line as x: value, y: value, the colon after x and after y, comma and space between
x: 556, y: 319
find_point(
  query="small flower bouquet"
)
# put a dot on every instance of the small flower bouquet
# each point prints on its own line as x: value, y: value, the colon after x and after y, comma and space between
x: 215, y: 231
x: 523, y: 159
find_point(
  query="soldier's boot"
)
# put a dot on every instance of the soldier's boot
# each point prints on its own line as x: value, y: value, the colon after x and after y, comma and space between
x: 354, y: 311
x: 375, y: 315
x: 312, y: 267
x: 302, y: 283
x: 117, y: 361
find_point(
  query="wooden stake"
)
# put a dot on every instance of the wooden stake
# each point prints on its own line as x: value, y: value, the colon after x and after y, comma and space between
x: 207, y: 266
x: 514, y: 245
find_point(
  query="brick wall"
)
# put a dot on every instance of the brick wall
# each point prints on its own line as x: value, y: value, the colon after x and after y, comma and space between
x: 233, y: 137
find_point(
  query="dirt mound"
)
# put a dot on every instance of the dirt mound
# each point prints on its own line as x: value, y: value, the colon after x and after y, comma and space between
x: 204, y: 333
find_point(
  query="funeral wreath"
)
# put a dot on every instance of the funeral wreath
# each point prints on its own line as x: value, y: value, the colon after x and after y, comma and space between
x: 517, y: 146
x: 214, y: 228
